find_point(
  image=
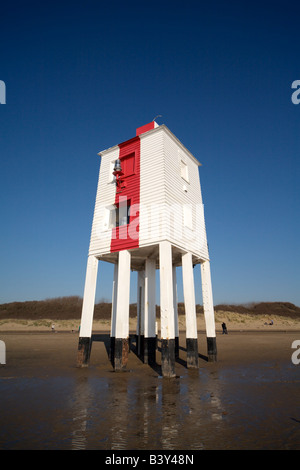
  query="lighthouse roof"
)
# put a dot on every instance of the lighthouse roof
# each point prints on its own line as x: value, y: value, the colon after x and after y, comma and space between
x: 161, y: 128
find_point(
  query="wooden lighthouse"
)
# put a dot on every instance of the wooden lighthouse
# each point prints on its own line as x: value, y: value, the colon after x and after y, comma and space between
x: 149, y: 216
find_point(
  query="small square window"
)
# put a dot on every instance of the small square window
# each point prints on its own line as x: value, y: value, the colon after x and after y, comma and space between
x: 119, y: 215
x: 184, y: 171
x: 111, y: 177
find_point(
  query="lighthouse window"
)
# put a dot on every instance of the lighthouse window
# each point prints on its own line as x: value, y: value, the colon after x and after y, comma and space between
x: 128, y: 163
x: 184, y: 171
x: 111, y: 177
x: 120, y: 215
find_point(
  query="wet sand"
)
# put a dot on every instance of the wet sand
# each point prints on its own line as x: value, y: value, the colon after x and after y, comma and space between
x: 249, y: 399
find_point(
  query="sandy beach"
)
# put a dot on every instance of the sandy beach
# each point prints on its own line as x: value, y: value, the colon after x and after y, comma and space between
x: 57, y: 351
x: 234, y: 321
x: 249, y: 399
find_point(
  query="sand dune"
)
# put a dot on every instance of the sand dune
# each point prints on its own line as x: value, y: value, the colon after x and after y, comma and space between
x: 65, y: 313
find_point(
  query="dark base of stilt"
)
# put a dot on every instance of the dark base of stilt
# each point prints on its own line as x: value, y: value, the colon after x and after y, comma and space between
x: 84, y: 352
x: 121, y: 351
x: 146, y: 349
x: 168, y: 357
x: 149, y: 350
x: 192, y: 353
x: 176, y: 347
x: 140, y: 346
x: 112, y: 350
x: 212, y: 349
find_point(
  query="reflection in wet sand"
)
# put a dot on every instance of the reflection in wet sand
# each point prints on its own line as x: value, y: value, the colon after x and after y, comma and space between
x: 119, y: 412
x: 170, y: 391
x: 81, y: 402
x: 146, y: 413
x: 238, y: 408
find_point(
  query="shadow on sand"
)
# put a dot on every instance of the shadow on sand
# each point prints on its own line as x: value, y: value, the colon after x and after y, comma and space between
x: 105, y: 338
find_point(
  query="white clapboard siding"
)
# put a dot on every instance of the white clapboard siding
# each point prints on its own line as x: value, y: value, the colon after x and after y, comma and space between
x: 185, y: 194
x: 101, y: 233
x: 152, y: 188
x: 167, y: 200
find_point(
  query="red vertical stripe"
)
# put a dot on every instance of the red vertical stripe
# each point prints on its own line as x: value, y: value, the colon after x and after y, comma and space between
x: 127, y: 236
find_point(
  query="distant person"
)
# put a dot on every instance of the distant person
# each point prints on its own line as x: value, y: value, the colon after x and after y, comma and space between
x: 224, y: 327
x: 53, y: 327
x: 271, y: 322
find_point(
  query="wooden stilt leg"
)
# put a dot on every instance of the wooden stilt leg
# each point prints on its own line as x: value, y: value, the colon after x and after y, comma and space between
x: 85, y: 333
x: 208, y: 308
x: 190, y: 311
x: 122, y: 312
x: 167, y: 310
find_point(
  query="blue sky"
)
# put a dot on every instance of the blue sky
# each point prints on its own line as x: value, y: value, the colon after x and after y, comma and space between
x: 82, y: 76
